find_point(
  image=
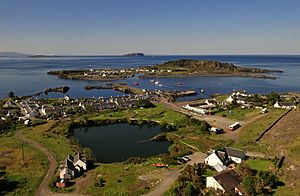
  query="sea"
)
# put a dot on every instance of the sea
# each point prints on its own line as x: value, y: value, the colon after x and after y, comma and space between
x: 26, y: 76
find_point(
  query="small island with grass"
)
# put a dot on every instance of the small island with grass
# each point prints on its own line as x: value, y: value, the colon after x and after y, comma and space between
x: 178, y: 68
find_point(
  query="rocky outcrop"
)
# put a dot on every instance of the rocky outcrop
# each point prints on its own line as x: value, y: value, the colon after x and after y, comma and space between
x: 210, y: 66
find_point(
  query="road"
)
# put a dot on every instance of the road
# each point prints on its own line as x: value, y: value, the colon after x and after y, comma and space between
x: 173, y: 175
x: 43, y: 189
x: 214, y: 120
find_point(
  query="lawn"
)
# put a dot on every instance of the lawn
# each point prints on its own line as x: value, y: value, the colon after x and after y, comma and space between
x: 252, y: 131
x: 22, y: 177
x: 259, y: 164
x: 126, y: 179
x: 239, y: 113
x: 159, y: 114
x: 55, y: 143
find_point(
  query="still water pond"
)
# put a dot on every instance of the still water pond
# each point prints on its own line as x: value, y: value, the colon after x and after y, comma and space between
x: 118, y: 142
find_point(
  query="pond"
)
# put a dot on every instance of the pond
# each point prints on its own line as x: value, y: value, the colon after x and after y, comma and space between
x: 118, y: 142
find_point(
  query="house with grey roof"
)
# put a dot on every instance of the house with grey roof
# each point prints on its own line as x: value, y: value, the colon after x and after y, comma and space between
x: 285, y: 105
x: 228, y: 181
x: 234, y: 154
x: 72, y: 167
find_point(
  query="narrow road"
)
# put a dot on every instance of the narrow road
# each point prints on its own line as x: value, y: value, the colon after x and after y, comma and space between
x: 43, y: 189
x: 166, y: 183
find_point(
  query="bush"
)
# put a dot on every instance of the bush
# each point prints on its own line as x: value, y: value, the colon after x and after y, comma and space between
x: 101, y: 182
x: 135, y: 160
x: 145, y: 103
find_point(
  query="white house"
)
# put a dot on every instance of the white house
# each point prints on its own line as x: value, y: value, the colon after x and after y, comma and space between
x: 79, y: 162
x: 228, y: 180
x: 213, y: 159
x: 285, y: 105
x: 72, y: 167
x: 235, y: 155
x: 229, y: 99
x: 68, y: 171
x: 194, y: 109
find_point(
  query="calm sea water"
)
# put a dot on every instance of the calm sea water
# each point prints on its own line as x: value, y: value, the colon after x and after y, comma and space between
x: 118, y: 142
x: 26, y: 76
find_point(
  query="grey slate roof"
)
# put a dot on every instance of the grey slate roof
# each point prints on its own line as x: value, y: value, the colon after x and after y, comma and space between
x: 229, y: 179
x: 235, y: 152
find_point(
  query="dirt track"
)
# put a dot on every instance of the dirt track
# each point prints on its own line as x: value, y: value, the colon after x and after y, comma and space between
x: 166, y: 183
x: 43, y: 188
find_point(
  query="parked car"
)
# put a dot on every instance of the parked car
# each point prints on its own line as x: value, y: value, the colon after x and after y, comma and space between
x: 186, y: 158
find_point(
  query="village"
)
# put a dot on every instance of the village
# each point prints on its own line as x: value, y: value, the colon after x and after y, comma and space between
x: 223, y: 161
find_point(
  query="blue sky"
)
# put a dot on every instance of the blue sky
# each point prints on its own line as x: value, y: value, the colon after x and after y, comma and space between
x: 150, y: 26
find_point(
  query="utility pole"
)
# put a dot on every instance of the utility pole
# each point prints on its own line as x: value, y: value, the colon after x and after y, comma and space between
x: 22, y: 151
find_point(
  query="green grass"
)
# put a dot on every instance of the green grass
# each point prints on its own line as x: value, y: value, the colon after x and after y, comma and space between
x: 55, y: 143
x: 239, y: 113
x: 252, y: 131
x: 221, y: 97
x: 258, y: 164
x: 123, y: 179
x: 159, y: 114
x: 22, y: 177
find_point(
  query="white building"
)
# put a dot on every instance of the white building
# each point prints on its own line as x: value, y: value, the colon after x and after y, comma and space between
x: 194, y: 109
x: 235, y: 155
x: 213, y: 159
x: 72, y: 167
x: 285, y: 105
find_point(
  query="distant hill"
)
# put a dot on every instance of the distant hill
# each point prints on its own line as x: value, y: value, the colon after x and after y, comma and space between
x: 14, y: 54
x: 135, y: 54
x: 210, y: 67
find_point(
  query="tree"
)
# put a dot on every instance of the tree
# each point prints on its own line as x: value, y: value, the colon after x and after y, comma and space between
x: 11, y: 94
x: 249, y: 185
x: 273, y: 97
x: 145, y: 103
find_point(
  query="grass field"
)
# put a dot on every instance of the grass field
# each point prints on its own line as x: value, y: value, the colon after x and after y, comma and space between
x: 160, y: 114
x: 252, y: 131
x: 22, y: 177
x: 240, y: 113
x: 259, y: 164
x: 126, y: 179
x: 57, y: 144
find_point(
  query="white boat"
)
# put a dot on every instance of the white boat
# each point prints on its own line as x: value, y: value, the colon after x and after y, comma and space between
x: 152, y: 81
x: 156, y: 82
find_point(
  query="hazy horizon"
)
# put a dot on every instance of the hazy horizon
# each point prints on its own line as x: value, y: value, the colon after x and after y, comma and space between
x: 154, y: 28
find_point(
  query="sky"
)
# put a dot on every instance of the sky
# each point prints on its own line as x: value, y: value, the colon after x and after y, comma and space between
x: 99, y: 27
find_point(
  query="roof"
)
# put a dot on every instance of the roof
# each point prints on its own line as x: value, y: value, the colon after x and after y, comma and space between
x: 219, y: 167
x: 70, y: 157
x: 235, y: 152
x: 69, y: 165
x: 221, y: 155
x: 288, y: 104
x: 77, y: 157
x: 229, y: 179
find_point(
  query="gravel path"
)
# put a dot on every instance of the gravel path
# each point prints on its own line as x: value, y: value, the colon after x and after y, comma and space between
x: 43, y: 189
x: 166, y: 183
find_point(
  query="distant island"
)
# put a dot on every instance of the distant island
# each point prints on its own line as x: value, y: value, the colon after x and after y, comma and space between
x: 14, y: 55
x: 135, y: 54
x: 178, y: 68
x: 44, y: 56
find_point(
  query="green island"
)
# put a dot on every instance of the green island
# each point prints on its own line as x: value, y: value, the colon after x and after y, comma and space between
x: 178, y: 68
x: 46, y: 133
